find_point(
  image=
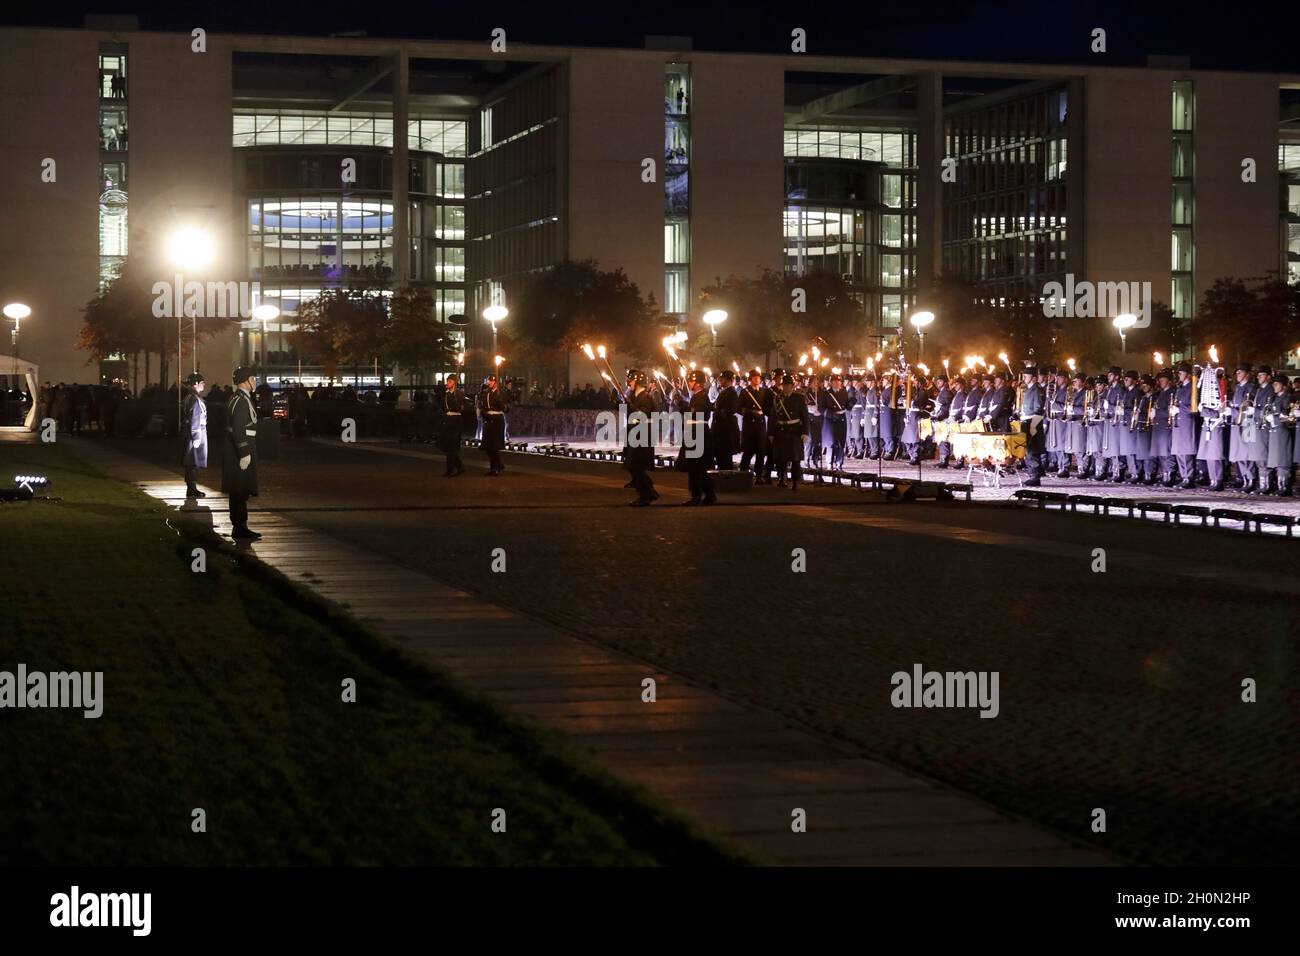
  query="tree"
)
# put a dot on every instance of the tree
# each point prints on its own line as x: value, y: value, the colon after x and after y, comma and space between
x: 342, y: 327
x: 1248, y: 322
x: 572, y: 303
x: 415, y: 339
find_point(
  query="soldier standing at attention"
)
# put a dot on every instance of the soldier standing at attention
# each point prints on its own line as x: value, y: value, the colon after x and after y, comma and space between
x: 1162, y: 428
x: 816, y: 423
x: 640, y: 457
x: 1127, y: 431
x: 1258, y: 449
x: 494, y: 425
x: 870, y: 399
x: 835, y: 402
x: 755, y: 404
x: 887, y: 399
x: 450, y: 427
x: 1031, y: 412
x: 195, y: 419
x: 1241, y: 427
x: 1183, y: 440
x: 947, y: 408
x: 695, y: 428
x: 789, y: 424
x: 854, y: 431
x: 1213, y: 446
x: 1112, y: 404
x: 724, y: 432
x: 1147, y: 471
x: 1281, y: 435
x: 239, y: 454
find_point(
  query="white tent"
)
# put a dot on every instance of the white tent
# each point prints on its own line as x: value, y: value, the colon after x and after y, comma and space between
x: 14, y: 367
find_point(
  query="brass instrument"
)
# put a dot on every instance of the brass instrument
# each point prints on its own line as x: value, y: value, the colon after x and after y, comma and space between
x: 1171, y: 409
x: 1151, y: 409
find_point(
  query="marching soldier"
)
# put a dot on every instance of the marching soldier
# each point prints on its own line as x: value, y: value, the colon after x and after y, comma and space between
x: 239, y: 454
x: 451, y: 427
x: 640, y: 458
x: 1162, y: 428
x: 724, y: 431
x: 195, y: 419
x: 494, y: 425
x: 789, y: 424
x: 1183, y: 437
x: 755, y: 405
x: 834, y: 404
x: 1032, y: 417
x: 1281, y: 435
x: 695, y: 425
x: 1241, y: 427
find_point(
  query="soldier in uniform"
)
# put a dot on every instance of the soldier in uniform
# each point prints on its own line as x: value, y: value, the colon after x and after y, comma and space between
x: 1212, y: 449
x: 1076, y: 439
x: 1281, y: 436
x: 1032, y: 413
x: 834, y: 404
x: 1127, y: 432
x: 1112, y: 406
x: 854, y: 430
x: 195, y: 419
x: 755, y: 405
x: 1145, y: 466
x: 639, y: 458
x: 451, y: 426
x: 997, y: 413
x: 1162, y: 429
x: 974, y: 400
x: 494, y: 425
x: 1057, y: 429
x: 695, y: 432
x: 239, y: 454
x: 1094, y: 427
x: 1241, y: 428
x: 816, y: 423
x: 944, y: 400
x: 913, y: 413
x: 1258, y: 449
x: 887, y: 399
x: 869, y: 398
x: 789, y: 423
x: 1183, y: 437
x: 725, y: 434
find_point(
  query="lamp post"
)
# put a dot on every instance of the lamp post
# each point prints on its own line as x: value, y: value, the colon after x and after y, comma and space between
x: 713, y: 318
x: 920, y: 320
x: 1123, y: 323
x: 16, y: 311
x: 495, y: 314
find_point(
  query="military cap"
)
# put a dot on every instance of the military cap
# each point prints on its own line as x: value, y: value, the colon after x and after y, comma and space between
x: 787, y: 379
x: 1279, y: 377
x: 243, y: 373
x: 1166, y: 373
x: 1050, y: 370
x: 1080, y: 376
x: 869, y: 377
x: 753, y: 372
x: 636, y: 375
x: 1132, y: 373
x: 1148, y: 380
x: 1264, y: 369
x: 193, y: 379
x: 941, y: 377
x: 1114, y: 370
x: 1245, y: 367
x: 1031, y: 369
x: 1184, y: 367
x: 696, y: 377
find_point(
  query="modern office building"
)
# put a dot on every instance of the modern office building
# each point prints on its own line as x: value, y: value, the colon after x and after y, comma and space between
x: 316, y: 162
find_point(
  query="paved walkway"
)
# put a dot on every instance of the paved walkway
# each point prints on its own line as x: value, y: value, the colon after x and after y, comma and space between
x: 739, y: 770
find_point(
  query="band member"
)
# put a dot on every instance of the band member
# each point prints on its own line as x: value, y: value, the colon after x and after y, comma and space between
x: 1031, y: 412
x: 789, y: 424
x: 913, y: 413
x: 695, y: 436
x: 1212, y: 449
x: 494, y: 425
x: 1241, y: 428
x: 1263, y: 436
x: 451, y: 427
x: 950, y: 414
x: 834, y: 403
x: 888, y: 400
x: 974, y: 399
x: 725, y: 433
x: 1145, y: 465
x: 1132, y: 393
x: 638, y: 452
x: 997, y: 414
x: 1281, y: 435
x: 869, y: 396
x: 195, y: 428
x: 1112, y: 410
x: 1058, y: 431
x: 1076, y: 439
x: 816, y: 423
x: 1162, y: 428
x: 854, y: 430
x: 755, y: 405
x: 1183, y: 438
x: 239, y: 454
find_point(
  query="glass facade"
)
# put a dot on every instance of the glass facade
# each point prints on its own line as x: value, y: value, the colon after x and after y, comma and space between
x: 850, y: 208
x: 1182, y: 295
x: 1004, y: 217
x: 258, y: 127
x: 1288, y: 165
x: 677, y: 190
x: 113, y: 142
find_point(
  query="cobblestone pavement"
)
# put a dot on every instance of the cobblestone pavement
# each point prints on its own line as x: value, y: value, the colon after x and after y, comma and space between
x: 1120, y: 691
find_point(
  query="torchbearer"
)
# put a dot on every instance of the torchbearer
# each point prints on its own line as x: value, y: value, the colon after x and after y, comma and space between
x: 195, y: 415
x: 494, y: 425
x: 239, y: 457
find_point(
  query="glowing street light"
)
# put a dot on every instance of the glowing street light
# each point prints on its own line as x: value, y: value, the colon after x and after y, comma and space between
x: 191, y: 249
x: 713, y: 318
x: 495, y: 314
x: 16, y: 311
x: 920, y: 320
x: 1123, y: 323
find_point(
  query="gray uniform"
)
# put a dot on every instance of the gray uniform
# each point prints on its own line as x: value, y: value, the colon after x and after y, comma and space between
x: 1182, y: 442
x: 1281, y: 438
x: 1212, y: 448
x: 1241, y: 431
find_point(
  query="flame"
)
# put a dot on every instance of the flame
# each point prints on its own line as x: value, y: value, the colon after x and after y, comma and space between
x: 878, y: 355
x: 925, y: 369
x: 1003, y: 356
x: 600, y: 350
x: 871, y: 365
x: 590, y: 354
x: 962, y: 370
x: 1214, y: 355
x: 758, y: 368
x: 692, y: 366
x: 825, y: 362
x: 803, y: 359
x: 736, y: 367
x: 498, y: 360
x: 945, y: 365
x: 836, y: 370
x: 816, y: 353
x: 1160, y: 359
x: 680, y: 336
x: 460, y: 359
x: 707, y: 370
x: 1070, y: 363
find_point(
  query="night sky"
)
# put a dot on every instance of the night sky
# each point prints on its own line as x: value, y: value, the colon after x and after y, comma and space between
x: 1249, y: 36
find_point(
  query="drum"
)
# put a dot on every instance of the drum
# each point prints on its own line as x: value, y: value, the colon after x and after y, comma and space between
x: 992, y: 445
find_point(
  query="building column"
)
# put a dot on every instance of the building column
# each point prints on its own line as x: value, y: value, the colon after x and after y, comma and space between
x: 401, y: 171
x: 929, y: 182
x: 1076, y: 251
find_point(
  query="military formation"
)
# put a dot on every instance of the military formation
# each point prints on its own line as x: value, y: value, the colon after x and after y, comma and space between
x: 1184, y: 426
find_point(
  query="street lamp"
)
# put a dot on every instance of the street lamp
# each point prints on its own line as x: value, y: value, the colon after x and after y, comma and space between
x: 919, y: 321
x: 1123, y: 323
x: 495, y: 314
x: 713, y: 318
x: 16, y: 311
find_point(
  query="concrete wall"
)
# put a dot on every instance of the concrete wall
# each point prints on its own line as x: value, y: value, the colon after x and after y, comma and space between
x: 49, y: 246
x: 615, y: 120
x: 737, y: 169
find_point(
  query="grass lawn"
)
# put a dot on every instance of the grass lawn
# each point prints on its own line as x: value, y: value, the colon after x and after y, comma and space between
x: 222, y: 691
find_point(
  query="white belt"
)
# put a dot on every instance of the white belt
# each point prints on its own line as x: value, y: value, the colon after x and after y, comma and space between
x: 251, y: 431
x: 789, y: 421
x: 451, y: 413
x: 493, y: 413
